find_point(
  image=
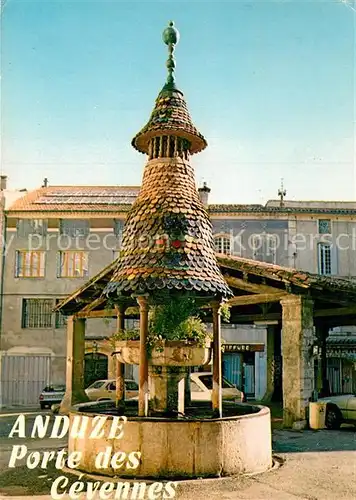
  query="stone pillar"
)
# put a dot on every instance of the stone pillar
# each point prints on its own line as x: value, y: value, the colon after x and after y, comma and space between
x: 120, y: 367
x: 143, y: 375
x: 298, y: 363
x: 217, y: 361
x: 75, y: 364
x: 167, y: 389
x: 270, y: 363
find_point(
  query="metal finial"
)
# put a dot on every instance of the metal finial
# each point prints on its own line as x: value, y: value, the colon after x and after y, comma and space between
x: 282, y: 193
x: 171, y: 38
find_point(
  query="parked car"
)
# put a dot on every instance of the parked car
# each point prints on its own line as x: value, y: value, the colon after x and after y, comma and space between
x: 339, y: 409
x: 201, y: 385
x: 106, y: 389
x: 51, y: 394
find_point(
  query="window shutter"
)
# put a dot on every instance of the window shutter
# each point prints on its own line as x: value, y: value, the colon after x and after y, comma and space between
x: 334, y: 260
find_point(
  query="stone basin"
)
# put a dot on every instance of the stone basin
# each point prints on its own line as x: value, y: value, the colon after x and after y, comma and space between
x: 198, y: 445
x: 169, y: 353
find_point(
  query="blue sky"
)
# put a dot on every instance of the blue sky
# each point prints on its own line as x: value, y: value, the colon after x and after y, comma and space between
x: 271, y: 85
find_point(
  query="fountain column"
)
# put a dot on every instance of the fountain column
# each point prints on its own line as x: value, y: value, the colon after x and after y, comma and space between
x: 217, y: 360
x: 120, y: 367
x: 143, y: 377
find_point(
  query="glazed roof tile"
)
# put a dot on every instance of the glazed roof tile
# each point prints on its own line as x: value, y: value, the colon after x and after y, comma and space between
x: 170, y: 116
x: 167, y: 240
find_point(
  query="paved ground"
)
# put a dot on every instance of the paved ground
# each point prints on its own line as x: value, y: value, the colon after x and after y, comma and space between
x: 318, y: 465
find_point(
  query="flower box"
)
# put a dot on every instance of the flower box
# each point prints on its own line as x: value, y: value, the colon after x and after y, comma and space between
x: 166, y: 353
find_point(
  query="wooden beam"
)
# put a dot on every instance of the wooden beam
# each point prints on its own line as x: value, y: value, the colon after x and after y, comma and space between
x: 249, y: 287
x: 245, y: 300
x: 339, y: 311
x: 112, y: 313
x: 93, y: 304
x: 246, y: 319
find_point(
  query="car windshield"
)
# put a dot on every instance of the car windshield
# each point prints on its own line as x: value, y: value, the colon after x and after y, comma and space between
x: 55, y: 388
x: 131, y: 385
x: 208, y: 382
x: 96, y: 384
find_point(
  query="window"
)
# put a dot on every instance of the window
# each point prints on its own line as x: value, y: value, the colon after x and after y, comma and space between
x: 131, y: 386
x: 25, y: 227
x: 74, y: 228
x: 118, y: 227
x: 324, y: 226
x: 37, y: 313
x: 194, y: 387
x: 324, y: 258
x: 223, y: 244
x: 97, y: 384
x: 72, y: 264
x: 264, y: 247
x: 60, y: 319
x: 30, y: 264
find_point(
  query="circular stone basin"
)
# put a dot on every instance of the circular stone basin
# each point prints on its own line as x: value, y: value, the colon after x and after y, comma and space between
x: 172, y: 353
x: 192, y: 446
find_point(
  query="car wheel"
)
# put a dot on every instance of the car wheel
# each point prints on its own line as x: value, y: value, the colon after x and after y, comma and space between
x: 43, y: 406
x: 333, y: 418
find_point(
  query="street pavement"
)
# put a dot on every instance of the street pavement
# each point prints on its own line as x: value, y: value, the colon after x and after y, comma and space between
x: 317, y: 465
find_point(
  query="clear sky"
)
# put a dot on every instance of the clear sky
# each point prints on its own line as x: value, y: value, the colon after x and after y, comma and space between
x: 271, y: 85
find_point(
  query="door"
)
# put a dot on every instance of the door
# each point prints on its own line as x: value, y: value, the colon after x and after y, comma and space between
x: 95, y: 368
x: 232, y: 368
x: 249, y: 380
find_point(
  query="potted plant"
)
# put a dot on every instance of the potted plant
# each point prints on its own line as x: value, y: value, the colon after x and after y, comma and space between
x: 176, y: 337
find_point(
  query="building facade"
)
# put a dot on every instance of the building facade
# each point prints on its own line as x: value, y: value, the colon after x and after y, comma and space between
x: 57, y: 237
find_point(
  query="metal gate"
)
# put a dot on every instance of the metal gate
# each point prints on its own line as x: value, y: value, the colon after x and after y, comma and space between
x: 232, y: 368
x: 249, y: 380
x: 23, y: 377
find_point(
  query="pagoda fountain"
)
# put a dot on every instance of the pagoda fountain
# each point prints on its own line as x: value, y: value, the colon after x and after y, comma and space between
x: 167, y: 254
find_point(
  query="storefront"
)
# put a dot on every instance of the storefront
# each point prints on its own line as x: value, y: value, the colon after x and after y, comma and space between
x: 245, y: 365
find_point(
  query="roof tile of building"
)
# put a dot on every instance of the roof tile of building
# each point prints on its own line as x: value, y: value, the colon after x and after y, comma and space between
x: 121, y: 198
x: 77, y: 198
x: 288, y: 275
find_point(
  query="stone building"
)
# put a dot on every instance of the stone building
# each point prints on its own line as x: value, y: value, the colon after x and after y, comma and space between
x: 57, y: 237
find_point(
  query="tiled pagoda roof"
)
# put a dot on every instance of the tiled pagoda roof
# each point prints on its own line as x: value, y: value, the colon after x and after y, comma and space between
x: 170, y: 116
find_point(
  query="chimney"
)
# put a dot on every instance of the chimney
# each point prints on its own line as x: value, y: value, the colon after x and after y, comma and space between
x: 45, y: 182
x: 3, y: 182
x: 204, y: 194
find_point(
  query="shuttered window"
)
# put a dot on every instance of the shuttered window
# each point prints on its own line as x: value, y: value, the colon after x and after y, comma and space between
x: 30, y: 264
x: 72, y: 264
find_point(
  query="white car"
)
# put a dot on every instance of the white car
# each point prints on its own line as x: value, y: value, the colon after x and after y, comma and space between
x: 201, y: 385
x: 339, y: 409
x: 102, y: 390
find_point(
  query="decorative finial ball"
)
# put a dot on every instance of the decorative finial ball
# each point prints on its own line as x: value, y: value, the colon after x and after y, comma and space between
x: 171, y: 34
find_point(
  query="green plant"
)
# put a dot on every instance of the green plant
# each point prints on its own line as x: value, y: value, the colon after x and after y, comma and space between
x: 175, y: 318
x: 225, y: 312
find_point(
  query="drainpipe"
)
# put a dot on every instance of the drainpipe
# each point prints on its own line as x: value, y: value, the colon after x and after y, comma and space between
x: 3, y: 249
